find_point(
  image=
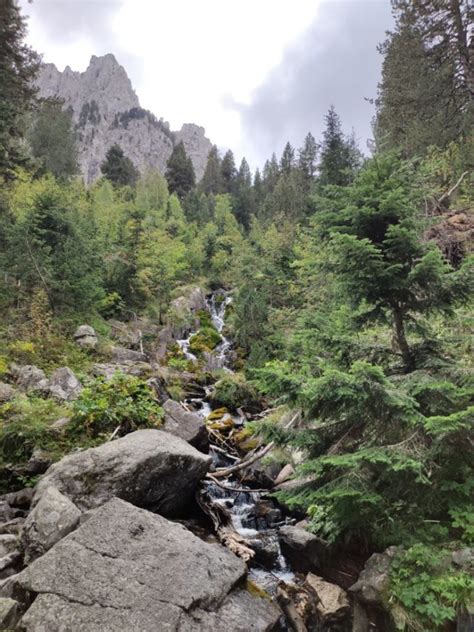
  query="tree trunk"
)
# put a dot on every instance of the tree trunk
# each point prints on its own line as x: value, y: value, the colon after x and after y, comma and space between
x: 464, y: 46
x: 401, y: 339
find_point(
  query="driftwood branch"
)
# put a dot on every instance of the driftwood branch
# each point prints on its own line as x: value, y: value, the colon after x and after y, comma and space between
x: 449, y: 193
x: 222, y: 473
x: 293, y: 617
x: 240, y: 490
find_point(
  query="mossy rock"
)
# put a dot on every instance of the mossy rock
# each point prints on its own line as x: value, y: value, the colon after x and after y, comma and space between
x: 222, y: 425
x: 217, y: 414
x: 205, y: 340
x: 233, y: 391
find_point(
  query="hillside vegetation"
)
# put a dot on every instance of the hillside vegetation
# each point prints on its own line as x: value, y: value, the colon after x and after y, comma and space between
x: 352, y: 285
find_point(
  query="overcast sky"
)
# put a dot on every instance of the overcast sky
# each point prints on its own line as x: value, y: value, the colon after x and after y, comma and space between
x: 254, y: 73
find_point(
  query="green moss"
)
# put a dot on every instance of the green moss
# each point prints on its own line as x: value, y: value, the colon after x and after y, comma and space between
x: 255, y: 590
x: 205, y: 340
x: 233, y: 391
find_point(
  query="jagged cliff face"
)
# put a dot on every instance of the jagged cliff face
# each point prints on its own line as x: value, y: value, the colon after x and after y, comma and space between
x: 106, y: 111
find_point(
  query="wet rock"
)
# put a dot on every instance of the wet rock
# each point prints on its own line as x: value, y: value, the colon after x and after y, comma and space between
x: 266, y: 549
x: 64, y: 385
x: 52, y: 518
x: 120, y: 354
x: 267, y: 514
x: 7, y: 392
x: 128, y: 569
x: 86, y: 337
x: 373, y: 583
x: 305, y: 551
x: 185, y: 424
x: 30, y: 378
x: 149, y: 468
x: 10, y: 613
x: 332, y: 604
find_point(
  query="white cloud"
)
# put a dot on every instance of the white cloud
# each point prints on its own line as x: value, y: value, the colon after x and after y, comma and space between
x: 190, y: 58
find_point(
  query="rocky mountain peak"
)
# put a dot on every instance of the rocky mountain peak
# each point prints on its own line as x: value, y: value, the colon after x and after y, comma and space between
x: 106, y: 111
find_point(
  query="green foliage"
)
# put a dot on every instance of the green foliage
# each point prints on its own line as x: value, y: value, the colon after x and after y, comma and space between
x: 24, y: 425
x: 125, y: 402
x: 18, y: 67
x: 426, y: 592
x: 52, y: 140
x: 233, y: 391
x: 205, y: 340
x: 340, y: 156
x: 118, y: 168
x: 180, y: 171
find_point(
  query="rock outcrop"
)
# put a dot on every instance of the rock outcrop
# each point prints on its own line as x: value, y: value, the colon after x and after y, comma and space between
x: 185, y: 424
x: 106, y: 111
x: 53, y: 518
x: 148, y: 468
x: 86, y: 337
x: 128, y: 569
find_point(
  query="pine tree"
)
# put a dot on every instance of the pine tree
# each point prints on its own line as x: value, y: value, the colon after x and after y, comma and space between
x: 118, y: 168
x: 446, y: 31
x: 271, y: 173
x: 228, y: 172
x: 180, y: 172
x: 417, y: 105
x: 385, y: 267
x: 243, y: 200
x: 307, y: 158
x: 287, y: 161
x: 338, y: 158
x: 18, y: 67
x: 211, y: 181
x: 52, y: 140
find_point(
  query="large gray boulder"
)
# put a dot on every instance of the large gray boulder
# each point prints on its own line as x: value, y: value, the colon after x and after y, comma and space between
x: 30, y: 378
x: 374, y: 581
x: 331, y: 604
x: 185, y: 424
x: 51, y: 519
x: 64, y: 385
x: 149, y: 468
x: 129, y: 569
x: 305, y: 551
x: 86, y: 337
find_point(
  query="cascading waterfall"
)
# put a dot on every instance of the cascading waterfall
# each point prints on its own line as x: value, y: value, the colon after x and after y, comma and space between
x: 252, y: 515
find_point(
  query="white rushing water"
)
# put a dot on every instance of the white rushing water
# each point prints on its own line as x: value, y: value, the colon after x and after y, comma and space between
x: 244, y: 507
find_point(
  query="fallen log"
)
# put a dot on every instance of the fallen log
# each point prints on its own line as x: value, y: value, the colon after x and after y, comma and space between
x: 227, y: 471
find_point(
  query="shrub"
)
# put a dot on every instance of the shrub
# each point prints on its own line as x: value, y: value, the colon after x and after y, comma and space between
x: 125, y: 402
x: 205, y: 340
x: 425, y: 590
x: 233, y: 391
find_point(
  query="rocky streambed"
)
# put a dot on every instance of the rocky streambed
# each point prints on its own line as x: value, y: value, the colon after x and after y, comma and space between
x: 169, y: 529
